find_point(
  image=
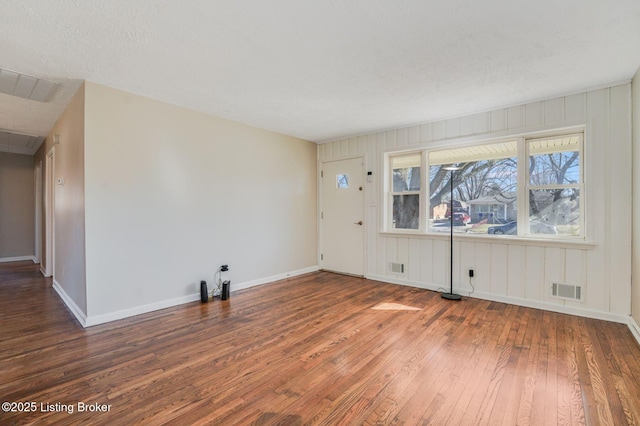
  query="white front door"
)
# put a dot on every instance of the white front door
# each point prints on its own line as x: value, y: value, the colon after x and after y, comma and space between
x: 342, y: 216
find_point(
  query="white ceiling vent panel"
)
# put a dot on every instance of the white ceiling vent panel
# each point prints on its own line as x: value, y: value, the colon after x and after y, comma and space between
x: 25, y: 86
x: 19, y: 144
x: 42, y: 90
x: 8, y: 81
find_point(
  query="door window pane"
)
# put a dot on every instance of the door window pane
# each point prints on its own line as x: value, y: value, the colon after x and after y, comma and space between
x: 342, y: 181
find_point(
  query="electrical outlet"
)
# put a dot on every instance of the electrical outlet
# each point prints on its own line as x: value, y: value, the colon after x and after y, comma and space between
x: 471, y: 273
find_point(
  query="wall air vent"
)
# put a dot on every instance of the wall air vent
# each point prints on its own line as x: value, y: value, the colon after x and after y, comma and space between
x: 397, y: 268
x: 566, y: 291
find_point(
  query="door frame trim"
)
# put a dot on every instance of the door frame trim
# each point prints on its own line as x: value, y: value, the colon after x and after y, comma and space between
x: 38, y: 213
x: 50, y: 221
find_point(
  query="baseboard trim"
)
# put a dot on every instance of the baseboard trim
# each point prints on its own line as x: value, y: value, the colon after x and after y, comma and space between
x: 163, y: 304
x: 407, y: 283
x: 71, y: 305
x: 253, y: 283
x: 635, y: 329
x: 137, y: 310
x: 17, y: 259
x: 535, y: 304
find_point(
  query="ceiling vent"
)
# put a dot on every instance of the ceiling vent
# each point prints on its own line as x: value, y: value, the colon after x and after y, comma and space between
x: 19, y: 144
x: 25, y: 86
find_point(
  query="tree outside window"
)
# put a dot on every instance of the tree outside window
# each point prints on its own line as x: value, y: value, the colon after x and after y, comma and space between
x: 554, y: 185
x: 406, y: 183
x: 487, y: 194
x: 484, y: 188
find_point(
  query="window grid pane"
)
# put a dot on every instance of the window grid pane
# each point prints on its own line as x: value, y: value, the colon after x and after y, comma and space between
x: 486, y: 188
x: 554, y: 183
x: 406, y: 211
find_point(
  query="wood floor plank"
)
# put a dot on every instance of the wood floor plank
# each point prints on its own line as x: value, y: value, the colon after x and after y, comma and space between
x: 310, y: 350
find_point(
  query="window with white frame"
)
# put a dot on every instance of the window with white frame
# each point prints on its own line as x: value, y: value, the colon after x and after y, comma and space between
x: 521, y: 187
x: 484, y: 187
x: 404, y: 196
x: 554, y: 185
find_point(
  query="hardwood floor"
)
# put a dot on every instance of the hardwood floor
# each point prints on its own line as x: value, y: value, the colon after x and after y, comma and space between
x: 310, y: 350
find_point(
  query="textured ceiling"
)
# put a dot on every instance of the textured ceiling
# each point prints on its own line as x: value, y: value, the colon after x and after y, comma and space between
x: 317, y: 69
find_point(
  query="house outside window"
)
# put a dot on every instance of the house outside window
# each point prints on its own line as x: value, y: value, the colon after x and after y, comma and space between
x: 484, y: 186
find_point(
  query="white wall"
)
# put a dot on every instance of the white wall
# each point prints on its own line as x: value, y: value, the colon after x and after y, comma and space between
x: 635, y: 291
x: 521, y: 272
x: 69, y: 269
x: 172, y: 194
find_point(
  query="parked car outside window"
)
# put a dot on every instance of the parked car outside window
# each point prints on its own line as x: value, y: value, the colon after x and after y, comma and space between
x: 511, y: 228
x: 461, y: 218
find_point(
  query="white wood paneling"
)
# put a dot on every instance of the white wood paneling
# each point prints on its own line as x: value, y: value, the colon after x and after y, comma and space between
x: 575, y: 107
x: 554, y: 272
x: 452, y: 128
x: 498, y: 120
x: 619, y: 190
x: 597, y: 164
x: 554, y: 111
x: 371, y: 249
x: 483, y: 267
x: 465, y: 259
x: 391, y: 139
x: 441, y: 263
x: 426, y: 133
x: 344, y: 148
x: 414, y: 135
x: 361, y: 145
x: 509, y: 270
x: 516, y: 268
x: 391, y: 255
x: 438, y: 130
x: 534, y: 114
x: 381, y: 143
x: 499, y: 269
x: 575, y: 272
x: 414, y: 263
x: 457, y: 265
x: 381, y: 255
x: 402, y: 138
x: 534, y: 273
x: 353, y: 147
x: 426, y: 261
x: 515, y: 117
x: 466, y: 125
x: 402, y: 253
x: 327, y: 151
x: 482, y: 123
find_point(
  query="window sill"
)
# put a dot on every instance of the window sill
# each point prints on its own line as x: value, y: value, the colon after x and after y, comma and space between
x: 505, y: 239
